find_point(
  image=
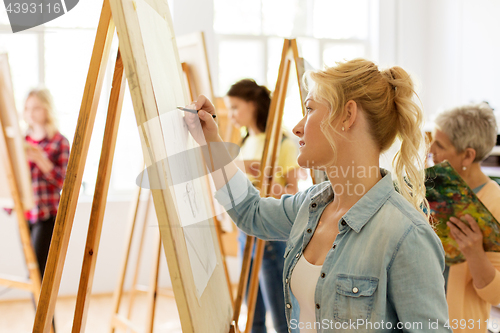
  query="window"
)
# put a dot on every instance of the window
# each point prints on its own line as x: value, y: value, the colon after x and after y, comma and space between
x: 250, y: 35
x: 57, y: 55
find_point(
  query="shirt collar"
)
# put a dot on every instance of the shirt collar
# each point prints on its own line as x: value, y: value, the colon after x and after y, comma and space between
x: 367, y: 206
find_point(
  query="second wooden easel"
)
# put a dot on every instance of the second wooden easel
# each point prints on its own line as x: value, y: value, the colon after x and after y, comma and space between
x: 10, y: 143
x: 33, y: 283
x: 289, y: 57
x: 73, y: 180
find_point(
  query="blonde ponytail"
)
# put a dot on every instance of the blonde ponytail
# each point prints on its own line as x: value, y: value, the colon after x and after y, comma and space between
x: 408, y: 163
x: 386, y: 98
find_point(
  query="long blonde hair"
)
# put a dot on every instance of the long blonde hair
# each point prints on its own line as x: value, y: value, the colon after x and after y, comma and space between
x: 45, y: 98
x: 386, y: 98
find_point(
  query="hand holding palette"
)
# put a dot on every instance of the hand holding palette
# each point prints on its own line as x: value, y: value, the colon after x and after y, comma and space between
x: 448, y: 196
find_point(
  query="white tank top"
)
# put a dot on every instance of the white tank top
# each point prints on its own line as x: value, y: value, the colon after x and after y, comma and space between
x: 303, y: 284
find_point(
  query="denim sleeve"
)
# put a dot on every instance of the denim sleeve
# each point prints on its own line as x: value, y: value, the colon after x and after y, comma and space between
x: 416, y: 283
x: 265, y: 218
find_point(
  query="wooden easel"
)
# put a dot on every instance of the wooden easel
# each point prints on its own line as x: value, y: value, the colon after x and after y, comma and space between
x: 33, y: 282
x: 289, y: 56
x: 73, y: 180
x: 72, y: 184
x: 120, y: 321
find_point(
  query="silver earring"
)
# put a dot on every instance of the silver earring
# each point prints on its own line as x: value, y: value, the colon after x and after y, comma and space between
x: 464, y: 168
x: 342, y: 128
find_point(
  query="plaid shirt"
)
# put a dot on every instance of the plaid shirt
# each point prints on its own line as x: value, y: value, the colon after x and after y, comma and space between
x: 47, y: 186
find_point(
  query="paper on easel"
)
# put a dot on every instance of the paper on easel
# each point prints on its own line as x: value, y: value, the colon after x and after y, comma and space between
x: 170, y: 131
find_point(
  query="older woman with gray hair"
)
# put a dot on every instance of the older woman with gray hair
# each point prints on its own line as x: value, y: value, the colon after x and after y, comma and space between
x: 465, y: 136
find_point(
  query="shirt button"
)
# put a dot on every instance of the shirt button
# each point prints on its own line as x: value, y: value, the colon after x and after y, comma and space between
x: 343, y: 223
x: 286, y: 280
x: 323, y: 275
x: 355, y: 290
x: 317, y: 306
x: 297, y: 255
x: 309, y: 230
x: 288, y: 306
x: 314, y: 205
x: 334, y: 246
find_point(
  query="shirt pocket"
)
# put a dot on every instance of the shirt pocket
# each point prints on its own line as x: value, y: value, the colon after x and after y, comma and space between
x: 354, y: 297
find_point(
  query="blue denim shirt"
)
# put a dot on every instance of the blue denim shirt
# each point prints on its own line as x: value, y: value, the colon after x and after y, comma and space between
x: 384, y: 271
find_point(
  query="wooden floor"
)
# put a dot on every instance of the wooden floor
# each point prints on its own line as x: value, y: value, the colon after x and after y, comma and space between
x: 18, y: 316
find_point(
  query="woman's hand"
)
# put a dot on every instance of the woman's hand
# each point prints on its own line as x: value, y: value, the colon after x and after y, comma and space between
x: 36, y: 155
x: 470, y: 242
x: 202, y: 126
x: 252, y: 167
x: 469, y: 238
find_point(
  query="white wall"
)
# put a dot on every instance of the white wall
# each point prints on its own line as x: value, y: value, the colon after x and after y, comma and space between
x: 449, y: 46
x: 193, y: 16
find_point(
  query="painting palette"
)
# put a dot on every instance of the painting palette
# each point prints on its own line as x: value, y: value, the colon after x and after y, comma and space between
x: 448, y: 196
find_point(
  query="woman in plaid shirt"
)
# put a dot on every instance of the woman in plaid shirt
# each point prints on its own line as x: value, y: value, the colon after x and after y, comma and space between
x: 48, y: 153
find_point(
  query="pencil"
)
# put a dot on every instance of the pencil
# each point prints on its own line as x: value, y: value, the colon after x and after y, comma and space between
x: 192, y: 111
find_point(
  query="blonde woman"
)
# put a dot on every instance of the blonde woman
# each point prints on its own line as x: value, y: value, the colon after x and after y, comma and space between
x: 48, y: 153
x: 360, y: 256
x: 465, y: 136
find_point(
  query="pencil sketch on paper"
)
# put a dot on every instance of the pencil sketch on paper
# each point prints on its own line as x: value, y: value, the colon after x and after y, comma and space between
x: 192, y: 209
x: 201, y: 253
x: 190, y: 197
x: 190, y: 204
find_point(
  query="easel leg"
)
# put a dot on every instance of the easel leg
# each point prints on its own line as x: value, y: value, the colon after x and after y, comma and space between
x: 118, y: 321
x: 254, y: 284
x: 117, y: 295
x: 35, y: 281
x: 100, y: 196
x: 153, y: 287
x: 72, y: 183
x: 133, y: 291
x: 219, y: 231
x: 242, y: 285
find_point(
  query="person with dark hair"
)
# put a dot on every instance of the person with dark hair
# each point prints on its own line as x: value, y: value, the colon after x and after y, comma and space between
x: 248, y: 108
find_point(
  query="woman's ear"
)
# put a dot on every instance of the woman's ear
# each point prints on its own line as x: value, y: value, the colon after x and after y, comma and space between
x: 469, y: 156
x: 351, y: 111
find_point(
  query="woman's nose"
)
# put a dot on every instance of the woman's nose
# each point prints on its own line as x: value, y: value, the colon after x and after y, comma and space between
x: 298, y: 130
